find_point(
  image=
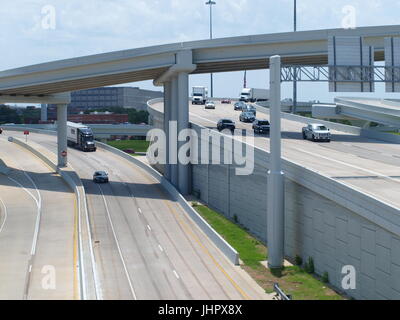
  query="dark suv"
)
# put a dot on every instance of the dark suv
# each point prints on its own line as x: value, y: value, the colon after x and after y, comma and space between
x: 100, y: 177
x: 261, y: 126
x: 247, y: 116
x: 226, y: 124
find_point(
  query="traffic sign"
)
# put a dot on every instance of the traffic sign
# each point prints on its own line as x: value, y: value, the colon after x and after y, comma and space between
x: 26, y: 132
x: 64, y: 153
x: 349, y: 58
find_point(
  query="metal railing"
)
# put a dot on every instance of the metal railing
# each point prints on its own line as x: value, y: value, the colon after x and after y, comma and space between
x: 280, y: 294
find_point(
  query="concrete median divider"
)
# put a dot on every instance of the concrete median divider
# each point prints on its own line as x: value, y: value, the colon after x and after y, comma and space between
x: 86, y: 265
x: 220, y: 243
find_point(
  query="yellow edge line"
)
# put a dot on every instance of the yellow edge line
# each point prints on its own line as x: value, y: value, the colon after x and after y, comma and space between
x: 194, y: 236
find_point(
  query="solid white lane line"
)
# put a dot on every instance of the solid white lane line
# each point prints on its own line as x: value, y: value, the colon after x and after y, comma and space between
x: 38, y: 204
x: 5, y: 215
x: 118, y: 246
x: 37, y: 227
x: 39, y: 216
x: 176, y: 274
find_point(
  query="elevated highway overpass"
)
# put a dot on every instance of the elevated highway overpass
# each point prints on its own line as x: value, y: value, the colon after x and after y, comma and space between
x: 382, y: 111
x: 170, y: 65
x: 377, y: 174
x: 217, y: 55
x: 341, y: 198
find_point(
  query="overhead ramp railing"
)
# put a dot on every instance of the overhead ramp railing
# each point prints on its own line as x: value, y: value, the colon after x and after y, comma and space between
x: 351, y: 66
x: 342, y: 73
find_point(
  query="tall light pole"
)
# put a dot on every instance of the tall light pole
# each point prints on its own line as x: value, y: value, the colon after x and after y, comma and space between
x: 294, y: 69
x: 211, y: 3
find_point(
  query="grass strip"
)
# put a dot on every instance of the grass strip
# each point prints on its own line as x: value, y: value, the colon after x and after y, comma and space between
x: 293, y: 280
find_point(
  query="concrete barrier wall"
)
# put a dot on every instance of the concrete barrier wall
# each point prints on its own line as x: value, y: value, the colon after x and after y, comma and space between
x: 324, y: 219
x: 34, y: 130
x: 229, y: 252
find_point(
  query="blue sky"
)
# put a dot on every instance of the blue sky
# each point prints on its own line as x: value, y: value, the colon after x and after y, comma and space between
x: 96, y: 26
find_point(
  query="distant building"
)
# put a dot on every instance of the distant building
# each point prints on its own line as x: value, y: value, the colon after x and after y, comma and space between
x: 107, y: 97
x: 98, y: 118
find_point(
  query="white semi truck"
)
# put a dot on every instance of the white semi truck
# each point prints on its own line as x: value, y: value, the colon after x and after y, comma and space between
x: 199, y: 95
x: 80, y: 136
x: 253, y: 95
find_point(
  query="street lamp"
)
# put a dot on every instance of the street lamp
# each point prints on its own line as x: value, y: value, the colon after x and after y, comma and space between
x: 294, y: 69
x: 211, y: 3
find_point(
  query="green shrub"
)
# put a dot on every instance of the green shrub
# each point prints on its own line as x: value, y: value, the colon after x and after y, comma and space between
x: 298, y: 261
x: 325, y: 277
x: 309, y: 266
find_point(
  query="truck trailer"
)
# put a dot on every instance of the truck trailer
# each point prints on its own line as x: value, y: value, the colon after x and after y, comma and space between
x: 253, y: 95
x: 80, y: 136
x: 199, y: 95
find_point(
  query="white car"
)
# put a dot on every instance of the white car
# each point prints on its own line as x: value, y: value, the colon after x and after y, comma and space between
x: 210, y: 105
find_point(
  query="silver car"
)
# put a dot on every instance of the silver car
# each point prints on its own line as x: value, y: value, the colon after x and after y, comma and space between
x: 316, y: 132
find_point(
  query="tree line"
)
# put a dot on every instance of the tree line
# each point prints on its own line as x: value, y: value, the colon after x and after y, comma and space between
x: 18, y: 115
x: 134, y: 116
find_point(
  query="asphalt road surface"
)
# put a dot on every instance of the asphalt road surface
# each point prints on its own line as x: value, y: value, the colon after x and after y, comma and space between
x: 36, y: 229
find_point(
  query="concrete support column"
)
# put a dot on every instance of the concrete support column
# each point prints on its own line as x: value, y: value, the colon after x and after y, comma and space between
x: 183, y: 123
x: 173, y: 138
x: 276, y: 213
x: 62, y: 135
x: 43, y: 112
x: 178, y: 76
x: 167, y: 118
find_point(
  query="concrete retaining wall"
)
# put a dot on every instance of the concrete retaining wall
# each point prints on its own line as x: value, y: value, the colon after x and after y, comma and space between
x: 324, y: 219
